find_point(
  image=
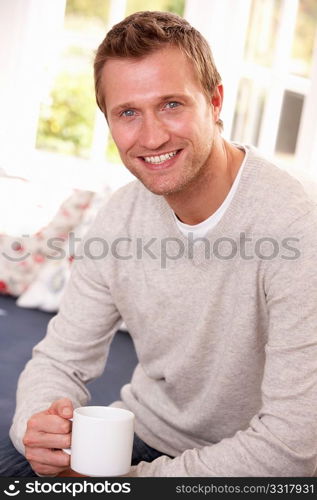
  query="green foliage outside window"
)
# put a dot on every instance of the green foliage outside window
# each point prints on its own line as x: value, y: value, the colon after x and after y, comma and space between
x: 67, y: 119
x: 89, y: 8
x: 100, y: 8
x: 303, y: 43
x: 176, y: 6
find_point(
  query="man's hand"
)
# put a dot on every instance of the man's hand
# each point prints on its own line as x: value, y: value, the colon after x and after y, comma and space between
x: 47, y: 432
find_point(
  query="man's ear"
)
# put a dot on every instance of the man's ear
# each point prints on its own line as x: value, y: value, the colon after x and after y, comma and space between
x: 216, y: 101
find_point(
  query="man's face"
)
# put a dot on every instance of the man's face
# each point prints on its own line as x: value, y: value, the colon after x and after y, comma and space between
x: 160, y: 119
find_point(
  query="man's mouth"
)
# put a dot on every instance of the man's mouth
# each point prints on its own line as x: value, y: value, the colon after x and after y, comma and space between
x: 158, y: 159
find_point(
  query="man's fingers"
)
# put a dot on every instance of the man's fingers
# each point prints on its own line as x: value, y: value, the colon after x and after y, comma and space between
x: 47, y: 432
x: 35, y: 439
x: 49, y: 423
x: 53, y: 458
x: 62, y: 407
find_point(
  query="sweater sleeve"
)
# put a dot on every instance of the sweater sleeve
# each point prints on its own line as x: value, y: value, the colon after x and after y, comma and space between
x: 75, y: 348
x: 281, y: 438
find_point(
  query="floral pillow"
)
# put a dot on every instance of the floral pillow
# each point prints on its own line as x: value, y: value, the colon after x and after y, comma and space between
x: 46, y: 290
x: 22, y: 257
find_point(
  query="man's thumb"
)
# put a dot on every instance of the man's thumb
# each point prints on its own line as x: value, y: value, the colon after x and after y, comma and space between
x: 63, y: 408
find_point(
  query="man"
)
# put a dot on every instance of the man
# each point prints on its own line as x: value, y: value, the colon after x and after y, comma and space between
x: 209, y: 258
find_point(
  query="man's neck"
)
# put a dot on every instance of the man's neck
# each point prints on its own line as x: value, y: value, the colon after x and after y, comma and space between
x: 200, y: 200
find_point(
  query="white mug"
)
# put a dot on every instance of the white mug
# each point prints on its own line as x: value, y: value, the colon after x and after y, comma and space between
x: 102, y: 441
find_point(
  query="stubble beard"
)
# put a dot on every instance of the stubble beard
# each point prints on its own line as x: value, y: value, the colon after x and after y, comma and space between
x: 191, y: 176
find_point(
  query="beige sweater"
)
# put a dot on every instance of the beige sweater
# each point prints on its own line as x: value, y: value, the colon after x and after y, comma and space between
x: 225, y: 330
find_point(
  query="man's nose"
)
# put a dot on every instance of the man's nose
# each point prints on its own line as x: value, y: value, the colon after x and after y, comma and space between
x: 153, y: 133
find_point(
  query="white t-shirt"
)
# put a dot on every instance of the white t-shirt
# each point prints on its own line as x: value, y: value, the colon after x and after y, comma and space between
x: 200, y: 230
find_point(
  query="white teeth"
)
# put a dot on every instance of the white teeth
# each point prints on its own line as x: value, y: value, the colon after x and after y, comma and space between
x: 159, y: 159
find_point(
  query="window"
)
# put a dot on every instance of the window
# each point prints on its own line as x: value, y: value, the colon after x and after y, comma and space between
x: 289, y: 123
x: 275, y: 72
x: 248, y: 112
x: 268, y: 63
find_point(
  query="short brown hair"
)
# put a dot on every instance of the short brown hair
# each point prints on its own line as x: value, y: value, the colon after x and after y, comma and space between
x: 144, y: 32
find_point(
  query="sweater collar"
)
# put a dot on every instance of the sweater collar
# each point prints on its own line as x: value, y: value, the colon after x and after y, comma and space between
x: 235, y: 217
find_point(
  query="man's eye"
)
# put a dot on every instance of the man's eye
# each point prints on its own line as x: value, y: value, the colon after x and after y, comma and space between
x: 127, y: 113
x: 172, y: 104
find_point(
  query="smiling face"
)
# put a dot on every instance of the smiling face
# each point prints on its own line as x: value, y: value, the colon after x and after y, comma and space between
x: 160, y: 119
